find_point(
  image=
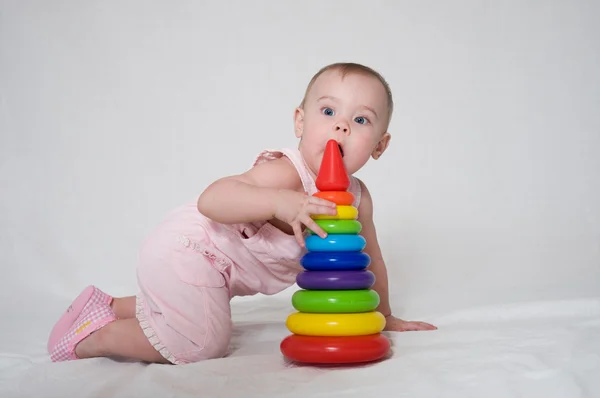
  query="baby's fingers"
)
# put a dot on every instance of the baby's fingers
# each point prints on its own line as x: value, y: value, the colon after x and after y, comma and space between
x: 321, y: 202
x: 320, y: 209
x: 298, y: 234
x: 313, y: 226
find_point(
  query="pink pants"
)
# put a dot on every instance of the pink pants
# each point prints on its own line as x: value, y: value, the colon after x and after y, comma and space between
x: 184, y: 303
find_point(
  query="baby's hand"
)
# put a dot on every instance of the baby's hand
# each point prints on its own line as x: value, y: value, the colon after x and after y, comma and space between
x: 398, y: 325
x: 295, y: 208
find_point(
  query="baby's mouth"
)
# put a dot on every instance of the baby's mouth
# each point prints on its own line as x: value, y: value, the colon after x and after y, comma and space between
x: 341, y: 149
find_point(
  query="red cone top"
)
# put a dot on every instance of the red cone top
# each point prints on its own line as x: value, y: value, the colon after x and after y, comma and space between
x: 332, y: 174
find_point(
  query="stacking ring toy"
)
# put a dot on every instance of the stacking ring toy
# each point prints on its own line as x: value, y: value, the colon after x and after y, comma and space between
x: 335, y: 243
x: 317, y: 261
x: 342, y: 198
x: 335, y: 324
x: 343, y: 213
x: 335, y: 280
x: 343, y: 227
x: 335, y: 350
x: 335, y: 301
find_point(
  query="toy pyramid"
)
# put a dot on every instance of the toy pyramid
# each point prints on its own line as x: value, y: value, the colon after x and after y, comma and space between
x: 337, y: 321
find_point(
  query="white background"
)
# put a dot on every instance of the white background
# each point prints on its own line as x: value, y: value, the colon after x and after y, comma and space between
x: 113, y: 113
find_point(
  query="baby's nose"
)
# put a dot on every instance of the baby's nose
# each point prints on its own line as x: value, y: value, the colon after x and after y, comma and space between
x: 342, y: 126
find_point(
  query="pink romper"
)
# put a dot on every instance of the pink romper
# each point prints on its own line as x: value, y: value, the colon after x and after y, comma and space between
x: 190, y: 267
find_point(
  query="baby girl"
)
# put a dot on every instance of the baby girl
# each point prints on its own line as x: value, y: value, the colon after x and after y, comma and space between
x: 243, y: 235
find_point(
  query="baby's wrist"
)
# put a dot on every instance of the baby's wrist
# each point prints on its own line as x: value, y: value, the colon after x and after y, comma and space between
x: 273, y: 197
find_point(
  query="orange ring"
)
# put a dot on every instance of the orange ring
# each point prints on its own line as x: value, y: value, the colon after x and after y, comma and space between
x: 342, y: 198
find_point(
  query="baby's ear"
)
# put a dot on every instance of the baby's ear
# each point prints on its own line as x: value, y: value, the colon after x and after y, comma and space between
x: 382, y: 145
x: 298, y: 122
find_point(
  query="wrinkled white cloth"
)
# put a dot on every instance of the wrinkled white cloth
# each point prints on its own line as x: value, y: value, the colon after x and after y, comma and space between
x: 529, y: 349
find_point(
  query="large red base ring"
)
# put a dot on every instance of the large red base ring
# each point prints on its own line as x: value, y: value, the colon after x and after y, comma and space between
x: 335, y: 350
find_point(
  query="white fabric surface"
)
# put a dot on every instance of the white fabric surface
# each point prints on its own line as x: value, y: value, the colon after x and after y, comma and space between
x: 545, y: 349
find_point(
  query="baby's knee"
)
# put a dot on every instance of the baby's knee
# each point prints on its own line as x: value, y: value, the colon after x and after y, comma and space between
x: 216, y: 345
x: 220, y: 347
x: 218, y: 340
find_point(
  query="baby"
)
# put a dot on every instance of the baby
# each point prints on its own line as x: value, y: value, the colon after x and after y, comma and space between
x: 244, y: 235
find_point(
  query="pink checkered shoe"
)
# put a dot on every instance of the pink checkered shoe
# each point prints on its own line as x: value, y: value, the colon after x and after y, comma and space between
x: 94, y: 317
x: 89, y: 295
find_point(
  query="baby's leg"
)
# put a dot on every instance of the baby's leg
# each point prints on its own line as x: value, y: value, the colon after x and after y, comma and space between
x: 98, y: 332
x: 123, y: 307
x: 123, y: 338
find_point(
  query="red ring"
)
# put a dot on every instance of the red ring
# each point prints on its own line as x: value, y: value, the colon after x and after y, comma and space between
x: 341, y: 198
x: 335, y: 349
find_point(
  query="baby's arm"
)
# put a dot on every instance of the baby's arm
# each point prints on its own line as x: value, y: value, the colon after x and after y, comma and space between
x: 269, y: 190
x: 378, y: 267
x: 250, y: 196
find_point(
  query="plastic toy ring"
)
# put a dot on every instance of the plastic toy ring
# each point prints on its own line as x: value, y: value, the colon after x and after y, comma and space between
x: 343, y: 213
x: 334, y: 350
x: 344, y: 227
x: 335, y: 301
x: 340, y: 261
x: 335, y: 324
x: 335, y: 280
x: 343, y: 198
x: 335, y: 243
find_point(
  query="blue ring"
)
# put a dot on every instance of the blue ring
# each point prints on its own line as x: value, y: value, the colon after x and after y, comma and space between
x: 316, y: 261
x: 335, y: 243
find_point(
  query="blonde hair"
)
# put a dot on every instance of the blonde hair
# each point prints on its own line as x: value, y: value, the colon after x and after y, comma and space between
x: 346, y: 68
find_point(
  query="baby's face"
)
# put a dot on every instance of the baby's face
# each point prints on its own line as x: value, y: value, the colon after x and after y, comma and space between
x: 353, y: 111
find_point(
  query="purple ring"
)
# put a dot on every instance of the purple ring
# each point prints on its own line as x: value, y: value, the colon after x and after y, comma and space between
x: 335, y: 280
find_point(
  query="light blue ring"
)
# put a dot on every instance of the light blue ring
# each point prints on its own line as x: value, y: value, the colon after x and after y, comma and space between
x: 335, y: 243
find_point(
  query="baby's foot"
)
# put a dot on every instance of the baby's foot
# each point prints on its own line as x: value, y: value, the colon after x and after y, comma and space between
x: 90, y: 295
x: 93, y: 317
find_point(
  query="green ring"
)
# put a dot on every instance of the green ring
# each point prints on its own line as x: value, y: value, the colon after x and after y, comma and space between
x: 347, y: 227
x: 335, y: 301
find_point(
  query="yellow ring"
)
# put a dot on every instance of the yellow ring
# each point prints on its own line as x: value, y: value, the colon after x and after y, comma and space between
x: 359, y: 324
x: 343, y: 213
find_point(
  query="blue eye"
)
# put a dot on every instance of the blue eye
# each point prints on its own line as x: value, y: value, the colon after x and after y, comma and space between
x: 328, y: 111
x: 361, y: 120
